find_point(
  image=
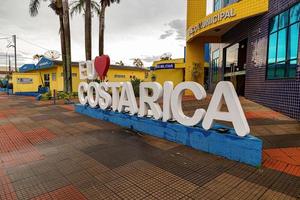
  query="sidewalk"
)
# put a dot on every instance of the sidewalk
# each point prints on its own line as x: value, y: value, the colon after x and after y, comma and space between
x: 50, y: 152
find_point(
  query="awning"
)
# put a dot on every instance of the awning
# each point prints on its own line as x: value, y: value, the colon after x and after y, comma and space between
x: 27, y: 67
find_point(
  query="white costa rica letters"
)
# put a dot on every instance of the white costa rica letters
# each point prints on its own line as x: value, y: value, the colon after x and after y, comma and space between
x: 127, y: 99
x: 176, y: 103
x: 225, y: 90
x: 149, y: 102
x: 151, y: 92
x: 120, y: 97
x: 105, y: 98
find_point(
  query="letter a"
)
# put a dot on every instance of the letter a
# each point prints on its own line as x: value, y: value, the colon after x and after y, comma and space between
x: 235, y: 112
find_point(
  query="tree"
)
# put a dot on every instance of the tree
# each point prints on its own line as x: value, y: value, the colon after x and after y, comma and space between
x: 138, y: 62
x: 60, y: 7
x: 104, y: 4
x: 67, y: 34
x: 37, y: 57
x: 88, y: 8
x: 120, y: 63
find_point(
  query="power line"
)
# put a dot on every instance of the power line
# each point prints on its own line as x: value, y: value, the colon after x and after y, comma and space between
x: 33, y: 44
x: 5, y: 34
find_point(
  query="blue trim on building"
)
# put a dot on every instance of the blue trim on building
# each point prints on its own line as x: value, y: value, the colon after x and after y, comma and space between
x: 30, y: 94
x: 27, y: 67
x: 44, y: 63
x: 243, y: 149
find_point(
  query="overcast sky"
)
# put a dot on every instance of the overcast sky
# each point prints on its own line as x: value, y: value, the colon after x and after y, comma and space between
x: 134, y: 29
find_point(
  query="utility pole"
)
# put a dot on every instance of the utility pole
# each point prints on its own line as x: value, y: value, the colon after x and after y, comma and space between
x: 15, y: 46
x: 9, y: 66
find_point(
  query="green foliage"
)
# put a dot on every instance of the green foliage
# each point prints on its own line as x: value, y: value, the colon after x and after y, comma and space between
x: 63, y: 95
x: 46, y: 96
x: 153, y: 77
x: 136, y: 86
x: 196, y: 71
x: 67, y: 96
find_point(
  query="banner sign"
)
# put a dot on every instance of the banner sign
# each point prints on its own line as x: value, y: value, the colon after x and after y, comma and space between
x: 119, y: 97
x: 165, y: 66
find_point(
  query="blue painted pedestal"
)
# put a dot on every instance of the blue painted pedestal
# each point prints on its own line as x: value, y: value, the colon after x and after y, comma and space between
x: 243, y: 149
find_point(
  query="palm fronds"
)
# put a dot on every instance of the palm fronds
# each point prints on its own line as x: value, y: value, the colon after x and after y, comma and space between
x: 34, y: 6
x: 77, y: 7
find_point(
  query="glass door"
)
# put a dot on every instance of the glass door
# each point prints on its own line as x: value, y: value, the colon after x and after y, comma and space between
x: 235, y: 65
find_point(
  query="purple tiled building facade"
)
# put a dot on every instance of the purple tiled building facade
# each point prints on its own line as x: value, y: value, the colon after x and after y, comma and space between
x: 263, y: 61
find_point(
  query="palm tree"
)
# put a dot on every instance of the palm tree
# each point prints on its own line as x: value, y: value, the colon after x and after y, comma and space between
x: 104, y: 4
x: 88, y: 7
x: 60, y: 7
x: 138, y: 62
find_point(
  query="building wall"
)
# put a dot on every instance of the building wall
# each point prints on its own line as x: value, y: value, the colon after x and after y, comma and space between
x: 26, y: 87
x: 121, y: 75
x: 176, y: 75
x: 281, y: 95
x: 60, y: 79
x: 163, y: 75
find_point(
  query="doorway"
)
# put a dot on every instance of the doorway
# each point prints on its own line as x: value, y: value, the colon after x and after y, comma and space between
x: 235, y: 65
x: 47, y: 80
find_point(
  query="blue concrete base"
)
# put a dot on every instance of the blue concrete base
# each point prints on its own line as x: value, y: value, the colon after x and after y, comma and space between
x: 243, y: 149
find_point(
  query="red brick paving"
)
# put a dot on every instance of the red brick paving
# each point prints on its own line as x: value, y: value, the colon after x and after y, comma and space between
x: 286, y: 160
x: 18, y: 148
x: 6, y: 189
x: 68, y: 107
x: 65, y: 193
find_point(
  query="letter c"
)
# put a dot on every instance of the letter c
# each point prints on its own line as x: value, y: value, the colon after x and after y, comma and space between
x: 176, y: 103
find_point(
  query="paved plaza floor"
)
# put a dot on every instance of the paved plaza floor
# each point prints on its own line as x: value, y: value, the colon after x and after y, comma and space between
x: 50, y: 152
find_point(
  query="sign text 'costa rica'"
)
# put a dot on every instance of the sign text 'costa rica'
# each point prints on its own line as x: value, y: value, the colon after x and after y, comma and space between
x: 119, y: 97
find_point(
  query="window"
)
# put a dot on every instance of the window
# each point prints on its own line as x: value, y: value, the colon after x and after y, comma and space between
x: 218, y: 4
x: 53, y: 76
x: 283, y: 44
x: 119, y: 76
x: 47, y: 80
x: 215, y: 65
x: 24, y: 81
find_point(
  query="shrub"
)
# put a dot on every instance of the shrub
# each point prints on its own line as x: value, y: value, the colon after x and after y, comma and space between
x: 63, y: 95
x: 136, y: 86
x: 46, y: 96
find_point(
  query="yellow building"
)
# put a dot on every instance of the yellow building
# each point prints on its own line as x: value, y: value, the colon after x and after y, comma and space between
x: 117, y: 73
x: 50, y: 74
x: 208, y: 21
x: 174, y: 70
x: 168, y: 70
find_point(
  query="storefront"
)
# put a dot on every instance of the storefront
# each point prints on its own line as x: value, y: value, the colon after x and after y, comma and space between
x: 254, y: 44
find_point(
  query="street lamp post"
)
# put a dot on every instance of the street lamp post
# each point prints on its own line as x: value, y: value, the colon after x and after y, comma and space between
x: 15, y: 46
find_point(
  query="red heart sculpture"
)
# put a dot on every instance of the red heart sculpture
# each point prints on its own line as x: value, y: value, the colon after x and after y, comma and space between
x: 102, y: 64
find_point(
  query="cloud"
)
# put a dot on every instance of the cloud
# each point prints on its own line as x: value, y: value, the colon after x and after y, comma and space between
x: 167, y: 34
x: 151, y: 58
x: 176, y: 27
